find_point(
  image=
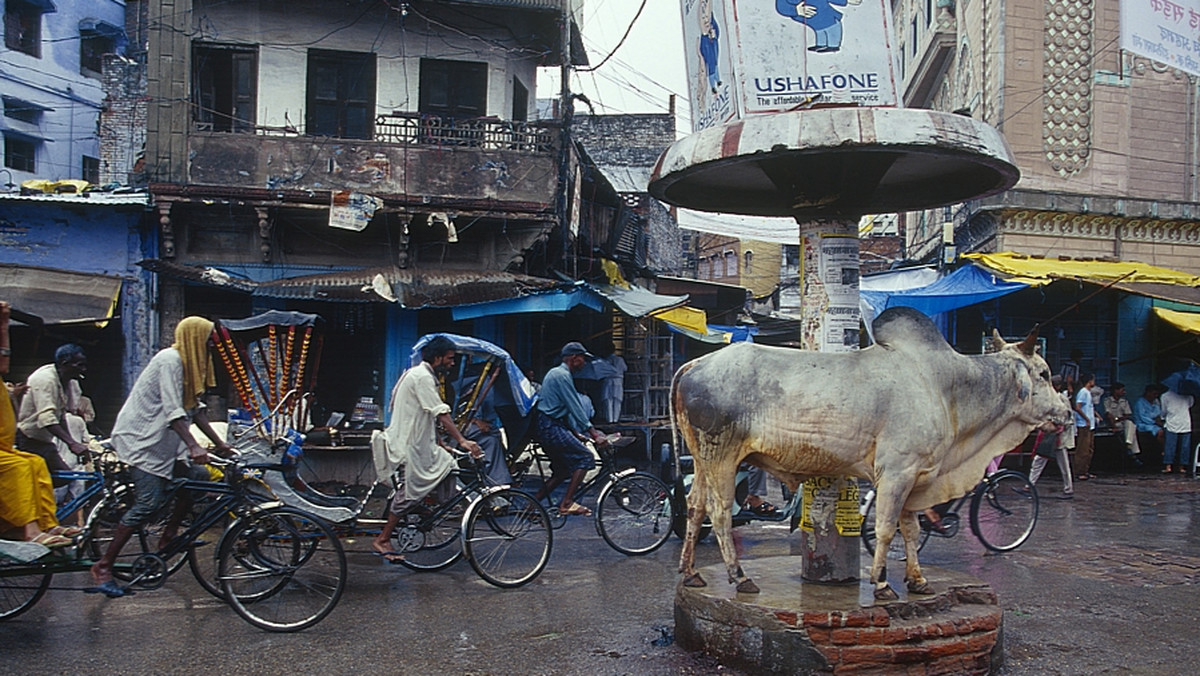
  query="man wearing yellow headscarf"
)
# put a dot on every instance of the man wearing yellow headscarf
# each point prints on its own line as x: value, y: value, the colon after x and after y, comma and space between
x: 152, y: 433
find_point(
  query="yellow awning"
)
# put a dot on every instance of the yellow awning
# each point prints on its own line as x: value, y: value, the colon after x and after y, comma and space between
x: 1040, y: 271
x: 1187, y: 321
x: 685, y: 317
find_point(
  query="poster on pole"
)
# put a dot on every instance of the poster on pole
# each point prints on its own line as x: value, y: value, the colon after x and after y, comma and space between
x: 1167, y: 31
x: 829, y: 292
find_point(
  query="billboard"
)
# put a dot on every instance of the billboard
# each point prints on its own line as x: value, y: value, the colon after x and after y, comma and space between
x: 1163, y: 30
x: 751, y: 57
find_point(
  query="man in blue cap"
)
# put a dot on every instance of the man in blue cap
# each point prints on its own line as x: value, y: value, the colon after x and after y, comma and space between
x: 563, y: 426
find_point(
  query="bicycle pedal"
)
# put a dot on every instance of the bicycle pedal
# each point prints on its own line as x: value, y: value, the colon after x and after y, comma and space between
x: 950, y: 524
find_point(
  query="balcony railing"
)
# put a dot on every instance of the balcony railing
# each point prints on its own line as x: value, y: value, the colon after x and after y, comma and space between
x: 487, y: 133
x: 479, y: 132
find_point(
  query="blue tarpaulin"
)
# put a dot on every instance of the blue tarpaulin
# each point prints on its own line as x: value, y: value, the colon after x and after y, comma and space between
x: 965, y: 286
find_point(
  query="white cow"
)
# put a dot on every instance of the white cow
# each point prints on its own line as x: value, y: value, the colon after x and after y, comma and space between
x: 909, y: 413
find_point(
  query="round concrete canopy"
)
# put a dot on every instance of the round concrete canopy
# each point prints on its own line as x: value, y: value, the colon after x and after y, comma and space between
x: 837, y: 162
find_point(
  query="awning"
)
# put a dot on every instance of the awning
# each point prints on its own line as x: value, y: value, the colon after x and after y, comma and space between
x: 24, y: 136
x: 1039, y: 271
x: 760, y: 228
x: 965, y: 286
x: 634, y: 302
x: 59, y: 296
x: 1185, y: 321
x: 94, y: 26
x: 14, y: 106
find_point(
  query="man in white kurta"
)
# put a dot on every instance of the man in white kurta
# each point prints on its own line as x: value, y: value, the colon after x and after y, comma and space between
x: 412, y: 436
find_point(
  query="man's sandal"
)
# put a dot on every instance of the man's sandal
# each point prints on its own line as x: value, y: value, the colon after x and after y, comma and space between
x: 575, y: 509
x: 52, y: 541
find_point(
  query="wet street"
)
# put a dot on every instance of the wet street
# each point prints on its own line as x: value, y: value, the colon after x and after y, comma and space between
x: 1106, y: 585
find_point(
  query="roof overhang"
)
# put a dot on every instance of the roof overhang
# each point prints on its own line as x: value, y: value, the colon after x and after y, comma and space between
x: 60, y: 297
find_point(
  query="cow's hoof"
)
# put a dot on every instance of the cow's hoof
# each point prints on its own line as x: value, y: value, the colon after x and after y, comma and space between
x: 747, y: 586
x: 694, y: 580
x: 921, y: 587
x: 886, y: 594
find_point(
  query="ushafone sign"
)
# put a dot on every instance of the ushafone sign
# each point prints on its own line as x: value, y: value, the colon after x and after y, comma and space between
x: 752, y: 57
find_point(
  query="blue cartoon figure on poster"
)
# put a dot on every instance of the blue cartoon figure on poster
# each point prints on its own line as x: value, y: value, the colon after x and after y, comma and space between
x: 709, y: 49
x: 821, y: 17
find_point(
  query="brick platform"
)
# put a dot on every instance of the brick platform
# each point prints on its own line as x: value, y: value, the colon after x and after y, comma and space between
x: 793, y: 627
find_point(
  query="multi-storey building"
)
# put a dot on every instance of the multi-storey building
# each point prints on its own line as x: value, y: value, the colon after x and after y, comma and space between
x: 50, y: 86
x: 376, y: 163
x: 1106, y: 141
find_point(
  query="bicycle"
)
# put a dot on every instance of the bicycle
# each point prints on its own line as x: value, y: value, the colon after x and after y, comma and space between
x: 280, y: 568
x: 1003, y: 513
x: 502, y: 531
x: 634, y: 511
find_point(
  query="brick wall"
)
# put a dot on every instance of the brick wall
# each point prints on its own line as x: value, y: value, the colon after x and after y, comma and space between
x: 122, y: 121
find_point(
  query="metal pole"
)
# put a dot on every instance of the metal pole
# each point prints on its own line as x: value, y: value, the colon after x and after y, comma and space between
x: 564, y: 168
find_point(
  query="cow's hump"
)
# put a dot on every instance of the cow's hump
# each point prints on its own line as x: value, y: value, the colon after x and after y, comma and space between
x: 903, y: 328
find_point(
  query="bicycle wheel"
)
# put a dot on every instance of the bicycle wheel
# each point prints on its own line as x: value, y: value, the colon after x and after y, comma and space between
x: 634, y: 513
x: 507, y: 537
x: 202, y: 557
x: 281, y: 569
x: 1004, y: 511
x: 679, y: 520
x: 430, y: 544
x: 20, y: 590
x: 896, y: 549
x: 102, y: 522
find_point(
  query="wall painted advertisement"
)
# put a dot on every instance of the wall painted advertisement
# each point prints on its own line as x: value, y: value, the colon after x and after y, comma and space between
x: 793, y: 53
x: 708, y: 53
x: 1162, y: 30
x: 748, y: 57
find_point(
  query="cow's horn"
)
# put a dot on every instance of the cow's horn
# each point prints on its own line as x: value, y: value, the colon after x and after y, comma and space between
x: 997, y: 342
x: 1029, y: 345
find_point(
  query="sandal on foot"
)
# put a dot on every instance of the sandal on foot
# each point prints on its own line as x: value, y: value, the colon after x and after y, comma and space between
x: 393, y: 558
x: 52, y: 541
x: 1167, y: 470
x: 764, y: 508
x: 66, y: 531
x: 110, y: 589
x: 575, y: 509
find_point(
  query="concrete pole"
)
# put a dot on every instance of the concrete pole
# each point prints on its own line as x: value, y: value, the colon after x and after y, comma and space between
x: 829, y: 267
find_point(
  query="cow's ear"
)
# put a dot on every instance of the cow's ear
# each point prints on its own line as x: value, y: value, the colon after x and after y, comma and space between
x: 1029, y: 345
x: 997, y: 342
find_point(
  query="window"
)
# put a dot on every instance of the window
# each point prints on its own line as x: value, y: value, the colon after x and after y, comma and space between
x: 341, y: 94
x: 914, y: 36
x: 97, y: 38
x: 224, y: 84
x: 928, y: 12
x: 730, y: 264
x: 520, y: 111
x: 90, y: 171
x: 19, y: 153
x: 454, y: 88
x: 702, y: 270
x: 23, y: 27
x: 748, y: 257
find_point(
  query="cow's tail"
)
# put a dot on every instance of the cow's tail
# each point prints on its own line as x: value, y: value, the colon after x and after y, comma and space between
x: 676, y: 433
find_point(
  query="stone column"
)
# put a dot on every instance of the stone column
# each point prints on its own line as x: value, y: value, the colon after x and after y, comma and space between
x: 829, y: 266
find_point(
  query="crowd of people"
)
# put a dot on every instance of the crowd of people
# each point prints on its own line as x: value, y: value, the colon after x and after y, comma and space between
x: 1155, y: 430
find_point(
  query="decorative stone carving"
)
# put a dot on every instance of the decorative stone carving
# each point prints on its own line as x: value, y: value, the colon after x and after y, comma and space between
x: 166, y: 229
x: 1067, y: 85
x: 264, y: 232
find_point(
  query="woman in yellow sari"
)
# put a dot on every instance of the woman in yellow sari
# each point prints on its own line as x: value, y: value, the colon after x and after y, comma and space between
x: 26, y: 493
